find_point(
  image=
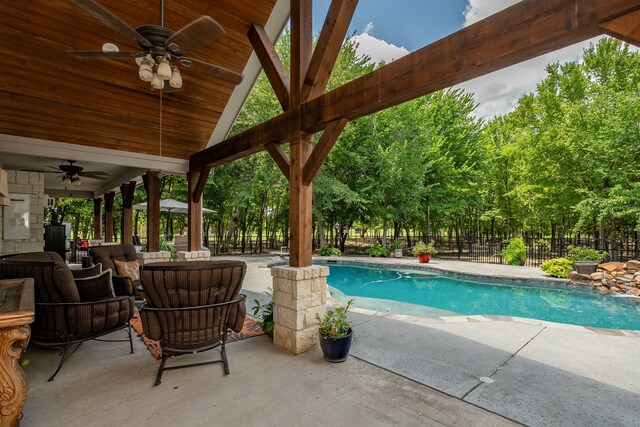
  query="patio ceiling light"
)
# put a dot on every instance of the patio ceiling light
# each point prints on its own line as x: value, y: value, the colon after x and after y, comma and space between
x: 72, y: 180
x: 157, y: 71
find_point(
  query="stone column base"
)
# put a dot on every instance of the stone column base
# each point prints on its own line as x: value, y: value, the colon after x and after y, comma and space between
x: 298, y: 295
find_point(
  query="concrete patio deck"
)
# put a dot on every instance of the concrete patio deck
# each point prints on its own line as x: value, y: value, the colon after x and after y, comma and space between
x: 404, y: 371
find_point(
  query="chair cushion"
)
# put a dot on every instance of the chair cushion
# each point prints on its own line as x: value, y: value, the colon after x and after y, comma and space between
x: 96, y: 288
x: 87, y: 272
x: 130, y: 269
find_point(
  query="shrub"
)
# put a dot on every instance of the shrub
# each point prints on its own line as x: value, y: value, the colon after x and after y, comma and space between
x: 582, y: 253
x: 421, y: 248
x: 516, y: 252
x: 329, y: 251
x: 335, y: 323
x: 558, y: 267
x: 378, y: 250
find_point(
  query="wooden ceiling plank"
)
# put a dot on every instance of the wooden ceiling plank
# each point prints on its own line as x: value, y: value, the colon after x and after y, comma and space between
x: 625, y: 27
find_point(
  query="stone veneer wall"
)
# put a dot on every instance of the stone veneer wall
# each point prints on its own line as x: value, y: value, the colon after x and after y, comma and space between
x: 203, y: 255
x: 618, y: 277
x: 26, y: 183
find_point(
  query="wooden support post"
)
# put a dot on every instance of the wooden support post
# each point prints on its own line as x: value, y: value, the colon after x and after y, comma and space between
x: 194, y: 224
x: 126, y: 190
x: 97, y: 218
x: 151, y: 181
x: 108, y: 215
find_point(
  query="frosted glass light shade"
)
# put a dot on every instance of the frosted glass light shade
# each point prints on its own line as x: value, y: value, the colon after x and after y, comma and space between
x: 176, y: 79
x: 145, y: 72
x: 157, y: 82
x: 164, y: 70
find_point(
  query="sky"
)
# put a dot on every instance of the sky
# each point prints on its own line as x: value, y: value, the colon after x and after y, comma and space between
x: 387, y: 30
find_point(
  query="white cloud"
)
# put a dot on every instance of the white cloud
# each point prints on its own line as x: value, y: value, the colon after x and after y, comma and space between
x: 498, y: 93
x: 378, y: 50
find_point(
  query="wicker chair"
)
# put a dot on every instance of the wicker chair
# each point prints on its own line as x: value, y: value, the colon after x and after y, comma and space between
x: 106, y: 256
x: 191, y: 305
x: 62, y: 319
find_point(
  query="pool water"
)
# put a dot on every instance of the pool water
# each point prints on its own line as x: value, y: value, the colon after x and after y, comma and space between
x: 378, y: 289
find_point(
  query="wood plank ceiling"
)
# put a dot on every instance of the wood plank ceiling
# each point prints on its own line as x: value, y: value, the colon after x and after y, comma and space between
x: 47, y: 94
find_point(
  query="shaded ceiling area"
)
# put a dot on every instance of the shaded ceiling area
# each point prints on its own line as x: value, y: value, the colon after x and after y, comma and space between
x: 47, y: 94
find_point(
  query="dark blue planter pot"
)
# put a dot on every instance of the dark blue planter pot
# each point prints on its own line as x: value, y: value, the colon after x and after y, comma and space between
x: 336, y: 350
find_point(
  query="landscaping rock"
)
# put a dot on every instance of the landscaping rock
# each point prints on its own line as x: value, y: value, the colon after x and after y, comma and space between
x: 611, y: 266
x: 581, y: 279
x: 632, y: 265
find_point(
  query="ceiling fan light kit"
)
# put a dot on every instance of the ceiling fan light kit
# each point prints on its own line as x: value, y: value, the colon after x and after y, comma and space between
x: 160, y: 45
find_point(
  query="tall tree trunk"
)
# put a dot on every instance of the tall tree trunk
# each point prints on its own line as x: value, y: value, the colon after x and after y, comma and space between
x: 384, y: 233
x: 321, y: 241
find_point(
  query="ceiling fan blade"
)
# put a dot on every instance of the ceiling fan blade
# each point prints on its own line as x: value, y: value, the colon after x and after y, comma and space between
x: 98, y: 54
x: 96, y: 173
x: 40, y: 171
x: 198, y: 32
x: 212, y: 70
x: 106, y: 17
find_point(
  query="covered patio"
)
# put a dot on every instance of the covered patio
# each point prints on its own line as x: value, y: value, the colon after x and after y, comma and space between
x: 57, y: 107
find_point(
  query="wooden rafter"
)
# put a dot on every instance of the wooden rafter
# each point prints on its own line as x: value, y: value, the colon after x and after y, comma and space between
x: 326, y: 51
x: 280, y: 157
x: 625, y: 27
x: 271, y: 63
x: 523, y: 31
x: 196, y: 196
x: 322, y: 149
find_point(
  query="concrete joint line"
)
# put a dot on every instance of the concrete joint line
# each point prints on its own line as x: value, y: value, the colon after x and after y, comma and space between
x: 503, y: 364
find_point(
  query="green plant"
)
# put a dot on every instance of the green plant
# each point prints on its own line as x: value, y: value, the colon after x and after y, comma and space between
x: 557, y: 267
x: 264, y: 312
x: 329, y: 251
x: 335, y: 323
x: 543, y: 244
x: 166, y: 246
x: 516, y: 252
x: 397, y: 244
x: 582, y: 253
x: 422, y: 248
x: 378, y: 250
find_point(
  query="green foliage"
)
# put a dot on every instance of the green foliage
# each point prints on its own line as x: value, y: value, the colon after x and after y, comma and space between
x: 397, y: 244
x: 423, y: 248
x: 558, y: 267
x: 335, y: 323
x: 378, y: 250
x: 264, y: 312
x: 329, y: 251
x: 582, y: 253
x: 516, y: 252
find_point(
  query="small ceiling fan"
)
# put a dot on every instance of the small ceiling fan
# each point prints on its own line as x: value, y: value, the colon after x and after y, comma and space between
x: 71, y: 173
x: 162, y: 48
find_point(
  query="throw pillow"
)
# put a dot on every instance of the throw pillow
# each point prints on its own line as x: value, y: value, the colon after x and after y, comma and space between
x: 96, y: 288
x: 130, y: 269
x: 87, y: 272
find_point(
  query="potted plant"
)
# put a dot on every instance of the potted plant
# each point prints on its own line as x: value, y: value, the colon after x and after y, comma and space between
x: 585, y: 260
x: 378, y: 250
x: 335, y: 334
x: 424, y: 251
x: 516, y: 252
x: 397, y: 248
x: 264, y: 312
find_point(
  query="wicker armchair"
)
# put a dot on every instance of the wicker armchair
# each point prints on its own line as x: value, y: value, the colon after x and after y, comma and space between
x: 106, y: 256
x: 191, y: 305
x: 62, y: 319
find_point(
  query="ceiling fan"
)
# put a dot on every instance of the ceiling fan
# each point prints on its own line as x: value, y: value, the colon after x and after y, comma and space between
x: 162, y: 48
x: 71, y: 173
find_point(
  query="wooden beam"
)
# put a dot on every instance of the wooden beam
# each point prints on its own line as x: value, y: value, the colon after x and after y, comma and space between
x: 625, y: 27
x: 194, y: 221
x: 301, y: 46
x: 126, y: 191
x: 108, y: 215
x: 202, y: 181
x: 280, y: 157
x: 523, y: 31
x: 271, y: 63
x: 322, y: 149
x: 326, y: 51
x: 97, y: 218
x: 151, y: 181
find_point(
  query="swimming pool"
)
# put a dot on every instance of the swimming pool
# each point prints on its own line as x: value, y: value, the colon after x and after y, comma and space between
x: 435, y: 294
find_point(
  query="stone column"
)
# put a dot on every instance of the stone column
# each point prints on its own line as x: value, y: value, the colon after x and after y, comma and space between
x: 298, y: 294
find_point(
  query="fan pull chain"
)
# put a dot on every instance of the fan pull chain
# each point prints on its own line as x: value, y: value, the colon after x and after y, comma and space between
x: 161, y: 124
